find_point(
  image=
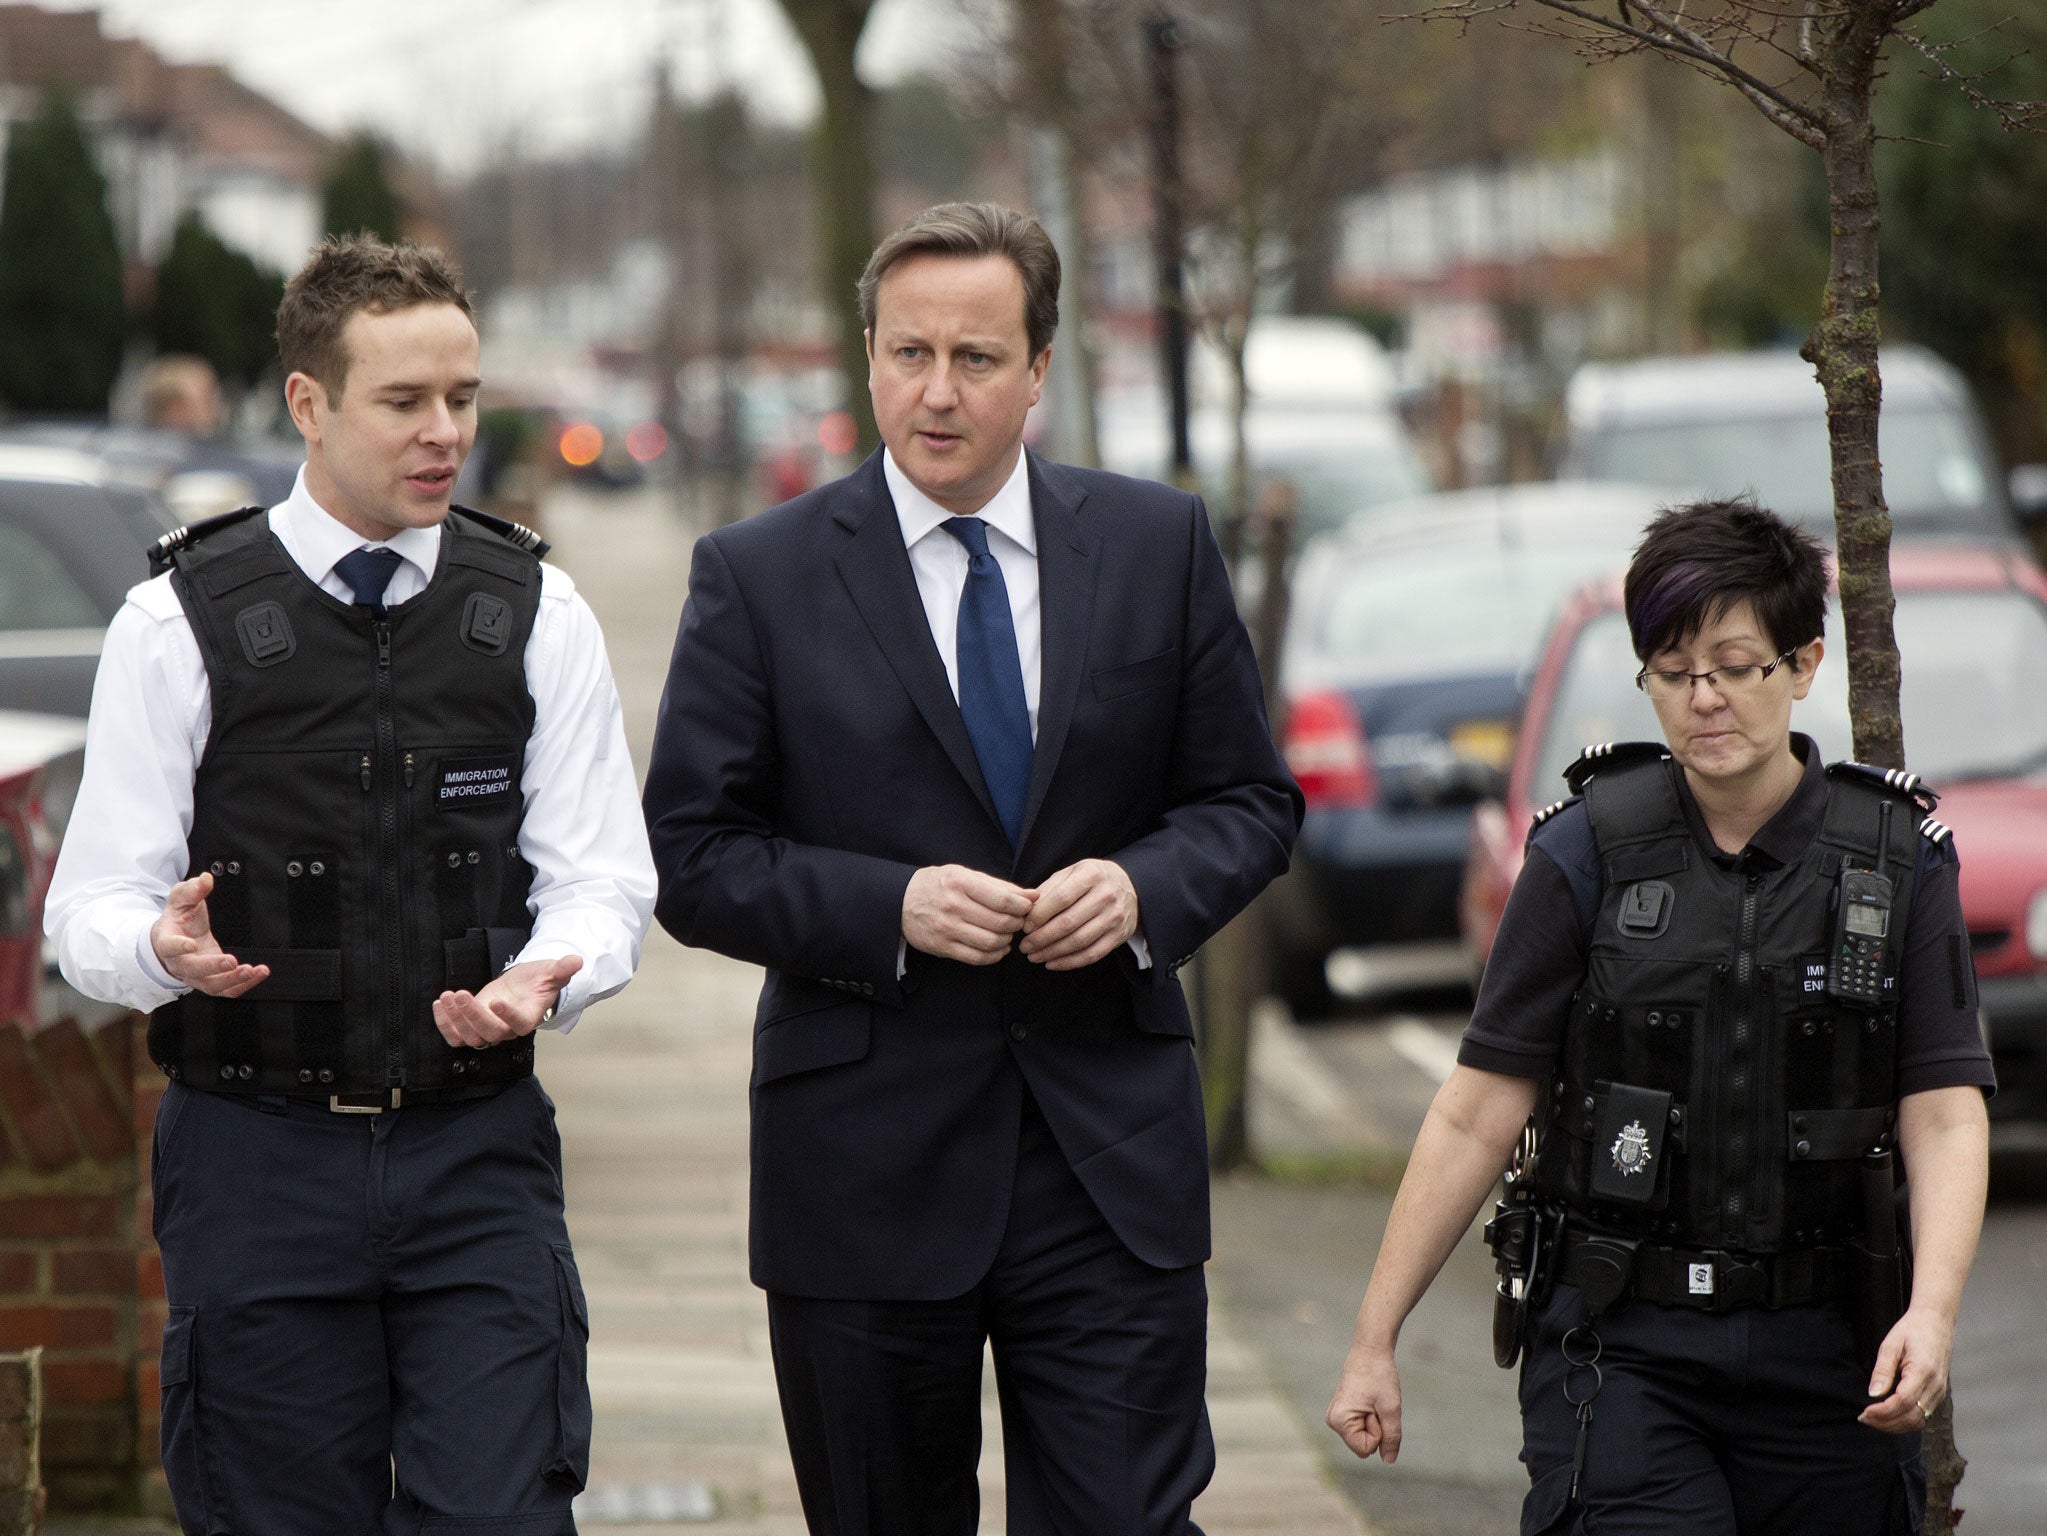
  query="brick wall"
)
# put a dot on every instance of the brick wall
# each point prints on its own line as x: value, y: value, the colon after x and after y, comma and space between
x: 21, y: 1490
x: 78, y: 1272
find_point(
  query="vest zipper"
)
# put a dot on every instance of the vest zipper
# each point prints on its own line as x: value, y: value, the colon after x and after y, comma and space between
x: 1741, y: 1075
x: 394, y: 885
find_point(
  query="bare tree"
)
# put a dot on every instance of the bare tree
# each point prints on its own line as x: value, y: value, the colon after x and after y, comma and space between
x: 1280, y: 87
x: 1812, y: 68
x: 843, y: 175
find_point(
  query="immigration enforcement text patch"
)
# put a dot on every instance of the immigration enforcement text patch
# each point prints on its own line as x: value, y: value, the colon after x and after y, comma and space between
x: 468, y: 781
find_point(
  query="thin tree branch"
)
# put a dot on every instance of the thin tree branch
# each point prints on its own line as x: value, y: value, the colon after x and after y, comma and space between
x: 1805, y: 53
x: 2014, y: 115
x: 1675, y: 37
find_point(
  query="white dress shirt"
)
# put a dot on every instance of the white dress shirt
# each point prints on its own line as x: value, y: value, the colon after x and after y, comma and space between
x: 583, y: 834
x: 939, y: 562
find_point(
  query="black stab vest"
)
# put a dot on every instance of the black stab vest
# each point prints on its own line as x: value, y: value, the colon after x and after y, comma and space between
x: 359, y: 806
x: 1704, y: 1005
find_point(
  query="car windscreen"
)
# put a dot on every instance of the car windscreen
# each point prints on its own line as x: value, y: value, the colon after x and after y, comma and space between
x: 1462, y: 608
x: 37, y: 591
x: 1971, y: 696
x: 1932, y: 471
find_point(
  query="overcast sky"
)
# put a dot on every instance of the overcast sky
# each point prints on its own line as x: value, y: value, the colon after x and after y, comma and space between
x: 456, y: 81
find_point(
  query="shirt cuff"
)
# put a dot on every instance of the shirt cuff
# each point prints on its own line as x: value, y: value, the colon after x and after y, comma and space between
x: 152, y: 967
x: 902, y: 958
x: 1142, y: 950
x: 576, y: 994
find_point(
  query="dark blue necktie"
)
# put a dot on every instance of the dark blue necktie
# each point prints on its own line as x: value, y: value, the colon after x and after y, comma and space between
x: 991, y: 678
x: 368, y: 572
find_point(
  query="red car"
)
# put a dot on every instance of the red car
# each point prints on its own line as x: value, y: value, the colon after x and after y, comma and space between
x: 40, y: 760
x: 1972, y: 629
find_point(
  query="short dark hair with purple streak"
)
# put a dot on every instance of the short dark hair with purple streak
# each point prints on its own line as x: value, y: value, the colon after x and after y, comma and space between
x: 1698, y: 560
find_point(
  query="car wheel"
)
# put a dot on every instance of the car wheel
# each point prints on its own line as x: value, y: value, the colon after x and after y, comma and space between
x: 1301, y: 981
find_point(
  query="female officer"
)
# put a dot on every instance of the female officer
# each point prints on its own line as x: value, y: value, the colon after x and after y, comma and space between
x: 1728, y: 983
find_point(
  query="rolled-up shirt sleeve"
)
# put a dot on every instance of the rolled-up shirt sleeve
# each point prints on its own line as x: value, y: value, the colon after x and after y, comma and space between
x: 584, y: 834
x: 125, y: 845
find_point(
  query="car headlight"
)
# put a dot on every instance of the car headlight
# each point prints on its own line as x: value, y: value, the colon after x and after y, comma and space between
x: 2036, y: 925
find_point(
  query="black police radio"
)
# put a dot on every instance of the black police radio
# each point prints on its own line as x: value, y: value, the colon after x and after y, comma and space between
x: 1862, y: 927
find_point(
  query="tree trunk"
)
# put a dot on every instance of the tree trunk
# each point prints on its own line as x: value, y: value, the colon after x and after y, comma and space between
x: 1043, y: 35
x: 843, y: 180
x: 1843, y: 349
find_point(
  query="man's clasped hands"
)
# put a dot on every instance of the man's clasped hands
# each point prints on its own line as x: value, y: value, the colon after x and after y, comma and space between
x: 1073, y: 919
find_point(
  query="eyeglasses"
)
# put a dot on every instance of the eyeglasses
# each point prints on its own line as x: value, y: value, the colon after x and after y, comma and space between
x: 1730, y: 681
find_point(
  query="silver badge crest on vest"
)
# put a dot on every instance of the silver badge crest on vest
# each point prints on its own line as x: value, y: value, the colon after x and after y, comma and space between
x: 1631, y: 1153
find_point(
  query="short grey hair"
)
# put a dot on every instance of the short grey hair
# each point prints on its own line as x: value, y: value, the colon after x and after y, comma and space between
x: 976, y: 229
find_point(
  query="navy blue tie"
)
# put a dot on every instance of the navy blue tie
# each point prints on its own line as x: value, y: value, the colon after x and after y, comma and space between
x: 368, y: 572
x: 991, y: 678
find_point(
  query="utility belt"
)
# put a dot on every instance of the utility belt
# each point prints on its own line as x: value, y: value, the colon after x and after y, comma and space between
x: 478, y: 1074
x: 373, y: 1103
x: 1535, y: 1244
x: 1611, y: 1270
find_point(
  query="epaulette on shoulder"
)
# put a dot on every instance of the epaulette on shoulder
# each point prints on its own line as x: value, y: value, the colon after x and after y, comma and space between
x: 512, y: 533
x: 1937, y: 833
x: 1550, y: 810
x: 1610, y: 754
x: 165, y: 549
x: 1896, y: 780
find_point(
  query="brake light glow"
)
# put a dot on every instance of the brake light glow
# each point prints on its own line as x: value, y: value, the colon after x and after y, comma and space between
x: 1326, y: 752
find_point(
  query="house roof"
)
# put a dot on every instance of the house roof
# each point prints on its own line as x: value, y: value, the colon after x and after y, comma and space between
x: 225, y: 121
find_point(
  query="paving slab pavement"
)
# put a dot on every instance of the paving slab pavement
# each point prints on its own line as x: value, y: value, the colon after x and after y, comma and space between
x: 650, y: 1091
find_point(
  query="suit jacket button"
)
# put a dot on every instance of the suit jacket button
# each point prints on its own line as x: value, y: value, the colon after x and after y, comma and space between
x: 1018, y: 1031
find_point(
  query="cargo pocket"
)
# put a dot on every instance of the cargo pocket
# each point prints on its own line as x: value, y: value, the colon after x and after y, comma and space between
x: 569, y: 1463
x: 1908, y: 1516
x: 184, y: 1459
x: 169, y: 1110
x: 1548, y: 1510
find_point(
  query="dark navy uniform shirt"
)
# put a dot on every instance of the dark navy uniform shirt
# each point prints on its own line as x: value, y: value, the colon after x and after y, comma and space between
x: 1544, y: 942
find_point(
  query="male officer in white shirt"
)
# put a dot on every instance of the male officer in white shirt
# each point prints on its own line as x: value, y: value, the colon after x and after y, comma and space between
x: 357, y: 818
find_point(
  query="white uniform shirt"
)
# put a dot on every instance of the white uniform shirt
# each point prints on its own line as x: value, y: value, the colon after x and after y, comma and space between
x: 939, y: 561
x: 593, y: 876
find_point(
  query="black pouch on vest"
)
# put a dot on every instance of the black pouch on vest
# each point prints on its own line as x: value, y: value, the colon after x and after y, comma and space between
x: 1627, y: 1143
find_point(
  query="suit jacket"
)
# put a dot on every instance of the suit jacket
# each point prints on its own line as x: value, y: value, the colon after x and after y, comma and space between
x: 810, y: 757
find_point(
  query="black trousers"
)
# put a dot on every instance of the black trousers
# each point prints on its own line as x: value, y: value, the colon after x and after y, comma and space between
x: 363, y: 1301
x: 1736, y: 1424
x: 1100, y: 1367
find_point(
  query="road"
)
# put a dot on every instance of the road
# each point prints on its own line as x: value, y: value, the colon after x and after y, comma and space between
x: 1291, y: 1260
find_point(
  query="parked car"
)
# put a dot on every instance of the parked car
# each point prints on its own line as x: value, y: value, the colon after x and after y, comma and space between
x: 1322, y: 416
x: 73, y: 540
x: 194, y: 477
x: 1723, y: 423
x: 1410, y: 637
x: 1972, y: 629
x: 41, y: 757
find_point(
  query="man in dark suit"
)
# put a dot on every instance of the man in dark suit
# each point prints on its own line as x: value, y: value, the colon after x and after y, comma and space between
x: 968, y: 749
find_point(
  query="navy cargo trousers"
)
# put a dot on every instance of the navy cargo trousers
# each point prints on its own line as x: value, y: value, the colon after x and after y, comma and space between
x: 376, y: 1323
x: 1739, y: 1423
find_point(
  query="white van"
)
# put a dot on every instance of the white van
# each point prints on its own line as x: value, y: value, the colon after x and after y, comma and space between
x: 1322, y: 416
x: 1722, y: 424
